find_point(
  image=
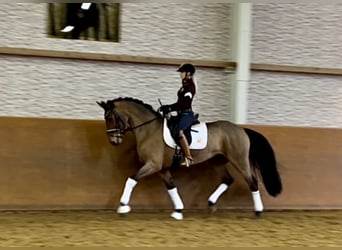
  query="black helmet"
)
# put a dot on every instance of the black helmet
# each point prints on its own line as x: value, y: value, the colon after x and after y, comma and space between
x: 187, y: 67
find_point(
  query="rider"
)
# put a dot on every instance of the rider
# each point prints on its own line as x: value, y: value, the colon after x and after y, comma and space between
x: 183, y: 106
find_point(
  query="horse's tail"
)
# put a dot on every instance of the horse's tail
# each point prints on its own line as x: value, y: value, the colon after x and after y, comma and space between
x: 261, y: 155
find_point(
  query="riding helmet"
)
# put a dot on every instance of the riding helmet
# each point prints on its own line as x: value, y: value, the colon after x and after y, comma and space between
x: 187, y: 67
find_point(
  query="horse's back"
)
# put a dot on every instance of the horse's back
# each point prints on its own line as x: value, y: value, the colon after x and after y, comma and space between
x: 224, y: 125
x: 223, y: 131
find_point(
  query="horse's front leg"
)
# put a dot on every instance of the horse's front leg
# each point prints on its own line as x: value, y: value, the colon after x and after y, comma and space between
x: 173, y: 192
x: 146, y: 170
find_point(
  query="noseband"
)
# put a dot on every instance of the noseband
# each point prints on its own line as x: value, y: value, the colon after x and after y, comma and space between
x: 116, y: 131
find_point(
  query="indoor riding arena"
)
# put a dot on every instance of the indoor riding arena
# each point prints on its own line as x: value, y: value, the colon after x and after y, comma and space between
x: 272, y: 68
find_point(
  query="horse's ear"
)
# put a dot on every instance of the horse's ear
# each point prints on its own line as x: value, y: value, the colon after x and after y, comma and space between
x: 102, y: 104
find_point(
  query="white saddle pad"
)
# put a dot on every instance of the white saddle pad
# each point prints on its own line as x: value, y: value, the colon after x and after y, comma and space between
x: 199, y: 134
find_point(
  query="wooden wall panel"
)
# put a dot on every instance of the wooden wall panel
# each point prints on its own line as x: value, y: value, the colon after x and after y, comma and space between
x: 69, y: 164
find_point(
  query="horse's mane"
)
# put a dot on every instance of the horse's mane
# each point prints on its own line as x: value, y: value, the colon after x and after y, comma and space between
x: 137, y: 101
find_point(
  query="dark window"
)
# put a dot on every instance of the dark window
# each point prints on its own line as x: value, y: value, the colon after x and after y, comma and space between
x: 86, y: 21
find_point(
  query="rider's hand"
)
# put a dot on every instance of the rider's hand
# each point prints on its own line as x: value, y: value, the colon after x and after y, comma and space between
x: 165, y: 109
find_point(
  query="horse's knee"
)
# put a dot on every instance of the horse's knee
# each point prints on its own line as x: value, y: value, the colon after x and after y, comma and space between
x: 169, y: 185
x: 228, y: 180
x: 146, y: 170
x: 133, y: 177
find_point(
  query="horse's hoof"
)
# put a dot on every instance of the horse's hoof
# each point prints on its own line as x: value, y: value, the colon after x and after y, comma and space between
x: 177, y: 215
x: 258, y: 214
x: 124, y: 209
x: 212, y: 207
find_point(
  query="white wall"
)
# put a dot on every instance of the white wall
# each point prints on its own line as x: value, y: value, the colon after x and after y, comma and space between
x: 297, y: 34
x: 303, y: 35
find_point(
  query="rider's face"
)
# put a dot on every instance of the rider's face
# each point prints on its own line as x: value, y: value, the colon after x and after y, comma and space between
x: 182, y: 75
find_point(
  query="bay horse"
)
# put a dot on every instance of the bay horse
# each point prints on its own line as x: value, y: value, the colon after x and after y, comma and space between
x: 245, y: 149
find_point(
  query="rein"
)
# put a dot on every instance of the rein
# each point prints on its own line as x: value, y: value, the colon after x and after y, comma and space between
x: 143, y: 124
x: 123, y: 131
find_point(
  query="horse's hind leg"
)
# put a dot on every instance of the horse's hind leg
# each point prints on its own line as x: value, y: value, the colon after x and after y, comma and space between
x: 245, y: 169
x: 226, y: 182
x: 173, y: 192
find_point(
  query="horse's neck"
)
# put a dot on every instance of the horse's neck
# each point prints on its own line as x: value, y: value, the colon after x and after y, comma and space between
x: 138, y: 115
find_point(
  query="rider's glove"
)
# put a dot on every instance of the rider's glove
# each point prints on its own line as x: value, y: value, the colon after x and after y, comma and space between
x: 165, y: 109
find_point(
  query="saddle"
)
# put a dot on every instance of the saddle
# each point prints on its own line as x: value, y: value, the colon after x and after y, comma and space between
x: 196, y: 134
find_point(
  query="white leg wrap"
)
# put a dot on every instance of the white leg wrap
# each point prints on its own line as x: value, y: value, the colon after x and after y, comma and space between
x: 126, y: 195
x: 176, y: 199
x: 217, y: 193
x: 258, y: 206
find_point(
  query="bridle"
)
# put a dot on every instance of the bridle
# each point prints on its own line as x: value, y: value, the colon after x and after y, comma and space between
x: 120, y: 131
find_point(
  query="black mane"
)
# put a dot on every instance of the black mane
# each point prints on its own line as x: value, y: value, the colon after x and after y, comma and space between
x: 137, y: 101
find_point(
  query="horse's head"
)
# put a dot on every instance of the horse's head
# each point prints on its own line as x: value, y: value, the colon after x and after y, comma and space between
x: 116, y: 123
x: 127, y: 114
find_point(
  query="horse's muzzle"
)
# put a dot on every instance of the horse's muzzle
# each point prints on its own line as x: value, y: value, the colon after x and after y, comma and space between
x: 115, y: 140
x: 115, y: 136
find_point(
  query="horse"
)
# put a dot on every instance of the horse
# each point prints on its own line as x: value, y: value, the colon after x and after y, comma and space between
x: 245, y: 149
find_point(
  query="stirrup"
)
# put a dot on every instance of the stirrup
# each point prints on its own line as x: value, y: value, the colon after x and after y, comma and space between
x: 187, y: 162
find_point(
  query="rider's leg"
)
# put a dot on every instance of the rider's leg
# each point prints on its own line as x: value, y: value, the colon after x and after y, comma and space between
x: 183, y: 142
